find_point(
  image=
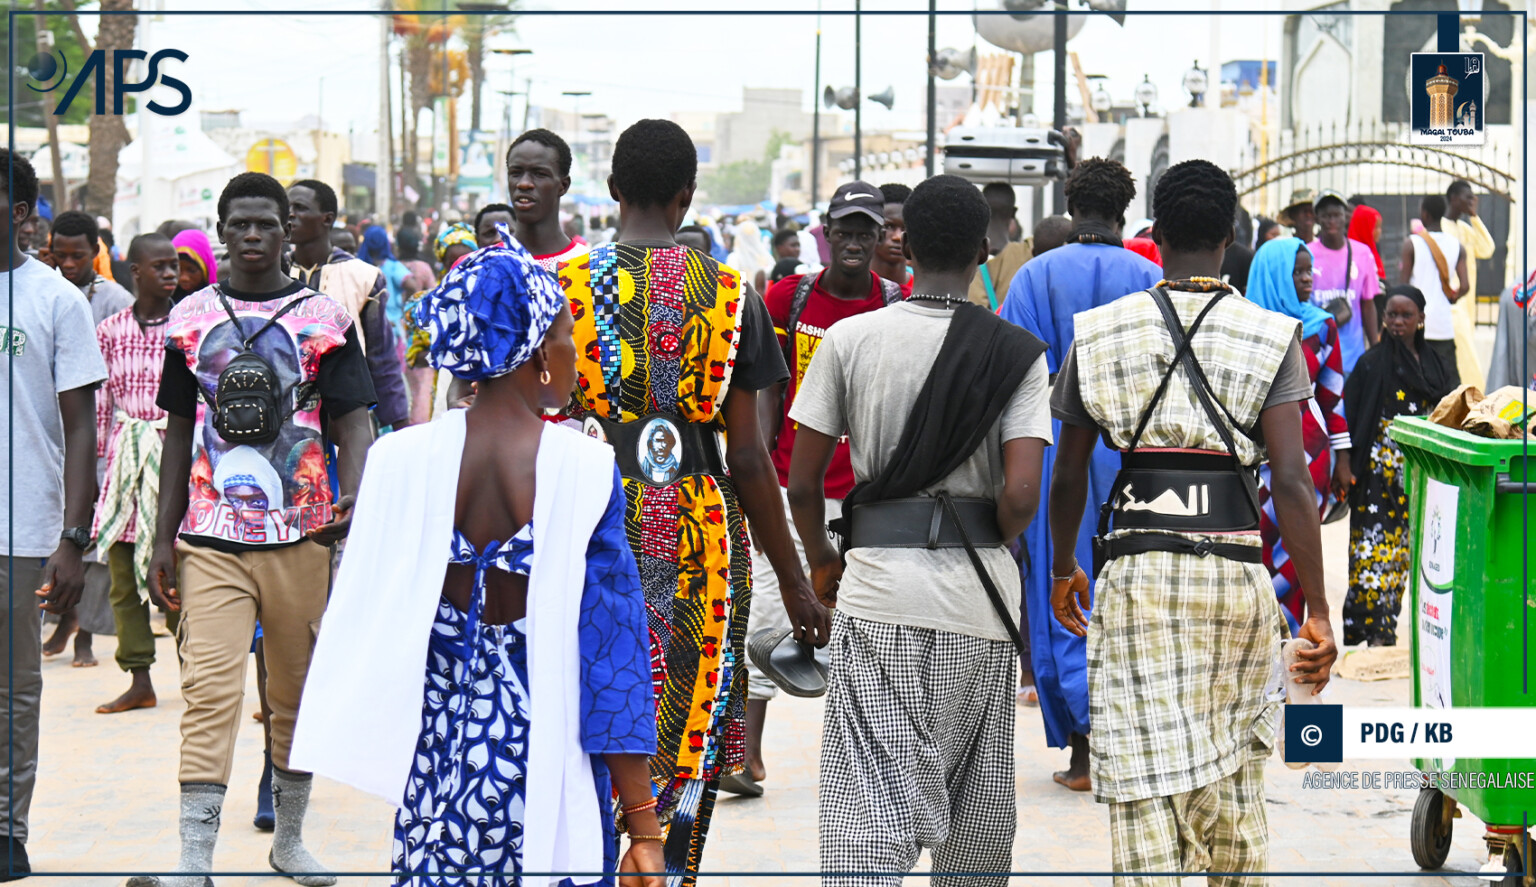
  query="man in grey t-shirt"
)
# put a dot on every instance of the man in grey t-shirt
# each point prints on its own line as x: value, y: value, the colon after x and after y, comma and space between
x: 917, y: 746
x: 51, y: 367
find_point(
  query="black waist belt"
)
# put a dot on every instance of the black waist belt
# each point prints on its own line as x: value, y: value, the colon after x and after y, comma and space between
x: 1188, y: 492
x: 1141, y: 543
x: 922, y: 523
x: 659, y: 448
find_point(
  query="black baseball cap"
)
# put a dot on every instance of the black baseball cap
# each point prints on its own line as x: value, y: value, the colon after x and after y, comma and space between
x: 857, y: 197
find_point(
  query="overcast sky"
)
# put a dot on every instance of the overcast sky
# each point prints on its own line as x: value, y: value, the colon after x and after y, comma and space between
x: 281, y: 68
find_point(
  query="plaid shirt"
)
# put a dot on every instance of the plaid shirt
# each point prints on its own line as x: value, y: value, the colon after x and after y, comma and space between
x: 1180, y: 647
x: 135, y: 356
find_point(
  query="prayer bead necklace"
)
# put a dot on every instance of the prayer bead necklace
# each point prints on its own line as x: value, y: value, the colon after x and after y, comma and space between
x: 947, y: 301
x: 1195, y: 284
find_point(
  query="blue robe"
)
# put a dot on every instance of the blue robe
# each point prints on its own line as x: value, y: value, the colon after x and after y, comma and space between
x: 1043, y: 297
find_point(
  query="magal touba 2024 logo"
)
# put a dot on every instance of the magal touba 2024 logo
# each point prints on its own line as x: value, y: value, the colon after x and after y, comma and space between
x: 50, y: 70
x: 1447, y: 93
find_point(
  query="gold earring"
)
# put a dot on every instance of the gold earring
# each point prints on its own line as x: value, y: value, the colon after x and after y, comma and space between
x: 544, y: 377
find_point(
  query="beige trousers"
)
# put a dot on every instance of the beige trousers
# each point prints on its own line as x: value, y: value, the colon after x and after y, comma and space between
x: 222, y: 596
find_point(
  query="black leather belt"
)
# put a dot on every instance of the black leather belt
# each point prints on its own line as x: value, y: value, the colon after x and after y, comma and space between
x: 1141, y: 543
x: 1187, y: 492
x: 659, y: 448
x: 922, y: 523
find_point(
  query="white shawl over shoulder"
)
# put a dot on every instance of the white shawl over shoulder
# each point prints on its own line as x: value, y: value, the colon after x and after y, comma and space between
x: 360, y: 717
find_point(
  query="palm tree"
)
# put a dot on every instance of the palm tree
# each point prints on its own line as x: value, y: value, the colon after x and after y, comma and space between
x: 108, y: 132
x: 426, y: 27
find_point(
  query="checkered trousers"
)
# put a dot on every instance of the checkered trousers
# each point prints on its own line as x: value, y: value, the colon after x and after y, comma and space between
x: 917, y: 751
x: 1180, y: 650
x: 1220, y: 827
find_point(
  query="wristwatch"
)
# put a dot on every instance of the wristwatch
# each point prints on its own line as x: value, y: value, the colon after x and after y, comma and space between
x: 81, y: 536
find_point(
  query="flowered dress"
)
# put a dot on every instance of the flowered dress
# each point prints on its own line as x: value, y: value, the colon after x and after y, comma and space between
x: 1378, y: 531
x: 656, y: 332
x: 1323, y: 430
x: 461, y: 820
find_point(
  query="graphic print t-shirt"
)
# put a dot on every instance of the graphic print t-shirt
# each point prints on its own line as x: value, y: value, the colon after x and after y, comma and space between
x: 246, y: 497
x: 822, y: 309
x: 1329, y: 284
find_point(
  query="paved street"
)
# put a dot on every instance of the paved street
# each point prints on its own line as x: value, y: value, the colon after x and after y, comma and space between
x: 106, y: 798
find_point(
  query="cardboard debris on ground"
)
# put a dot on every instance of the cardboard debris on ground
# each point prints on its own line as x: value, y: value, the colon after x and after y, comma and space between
x: 1452, y: 409
x: 1373, y: 664
x: 1505, y: 414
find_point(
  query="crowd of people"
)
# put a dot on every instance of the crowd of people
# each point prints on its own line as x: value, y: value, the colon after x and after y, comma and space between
x: 503, y: 448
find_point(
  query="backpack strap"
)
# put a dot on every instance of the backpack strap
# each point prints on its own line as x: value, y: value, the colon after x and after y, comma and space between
x: 986, y: 281
x: 890, y: 291
x: 1441, y: 266
x: 796, y: 307
x: 277, y: 315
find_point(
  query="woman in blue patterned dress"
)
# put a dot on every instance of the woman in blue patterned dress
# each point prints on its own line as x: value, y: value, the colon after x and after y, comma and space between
x: 537, y: 708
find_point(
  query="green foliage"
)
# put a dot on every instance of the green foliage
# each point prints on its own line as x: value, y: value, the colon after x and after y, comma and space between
x: 30, y: 105
x: 745, y: 181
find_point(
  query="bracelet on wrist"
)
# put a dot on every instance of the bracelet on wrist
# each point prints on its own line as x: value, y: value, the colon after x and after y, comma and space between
x: 639, y: 808
x: 657, y: 838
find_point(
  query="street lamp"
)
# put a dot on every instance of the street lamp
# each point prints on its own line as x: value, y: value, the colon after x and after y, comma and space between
x: 1101, y: 101
x: 1195, y: 83
x: 1146, y: 94
x: 512, y: 55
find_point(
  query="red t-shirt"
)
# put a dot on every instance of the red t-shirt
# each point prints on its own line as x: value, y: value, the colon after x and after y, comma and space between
x: 822, y: 309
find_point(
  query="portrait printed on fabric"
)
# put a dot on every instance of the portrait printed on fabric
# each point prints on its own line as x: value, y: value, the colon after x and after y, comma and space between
x: 271, y: 494
x: 660, y: 451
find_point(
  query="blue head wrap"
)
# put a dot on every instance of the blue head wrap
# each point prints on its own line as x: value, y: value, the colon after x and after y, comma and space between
x: 375, y: 243
x: 1270, y: 285
x: 490, y: 312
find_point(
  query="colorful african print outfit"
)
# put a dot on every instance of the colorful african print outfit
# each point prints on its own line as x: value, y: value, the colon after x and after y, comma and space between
x: 657, y: 331
x: 1323, y: 433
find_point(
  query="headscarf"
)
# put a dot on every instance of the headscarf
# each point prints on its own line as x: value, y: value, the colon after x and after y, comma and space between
x: 1362, y: 228
x: 375, y: 243
x: 491, y: 312
x: 457, y: 233
x: 1270, y: 285
x: 749, y: 255
x: 194, y: 244
x: 1388, y: 367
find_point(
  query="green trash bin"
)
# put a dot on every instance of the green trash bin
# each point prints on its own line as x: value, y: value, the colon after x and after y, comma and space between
x: 1468, y: 596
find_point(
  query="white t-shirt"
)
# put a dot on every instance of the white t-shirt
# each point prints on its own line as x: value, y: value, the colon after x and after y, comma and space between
x: 1426, y: 276
x: 864, y: 380
x: 49, y: 346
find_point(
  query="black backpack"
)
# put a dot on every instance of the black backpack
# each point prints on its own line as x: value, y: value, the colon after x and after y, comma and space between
x: 249, y: 403
x: 890, y: 291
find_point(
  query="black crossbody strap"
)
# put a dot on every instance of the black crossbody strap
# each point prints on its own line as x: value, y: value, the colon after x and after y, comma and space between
x: 981, y: 573
x: 1202, y: 390
x: 277, y: 315
x: 1182, y: 343
x: 796, y: 308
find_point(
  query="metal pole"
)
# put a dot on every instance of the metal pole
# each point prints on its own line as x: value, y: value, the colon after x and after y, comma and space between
x: 60, y: 183
x: 1059, y: 118
x: 933, y: 93
x: 384, y: 170
x: 858, y: 90
x: 816, y: 120
x: 527, y: 101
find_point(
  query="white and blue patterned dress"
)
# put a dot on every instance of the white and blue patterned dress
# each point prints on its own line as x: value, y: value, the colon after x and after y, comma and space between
x: 461, y: 820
